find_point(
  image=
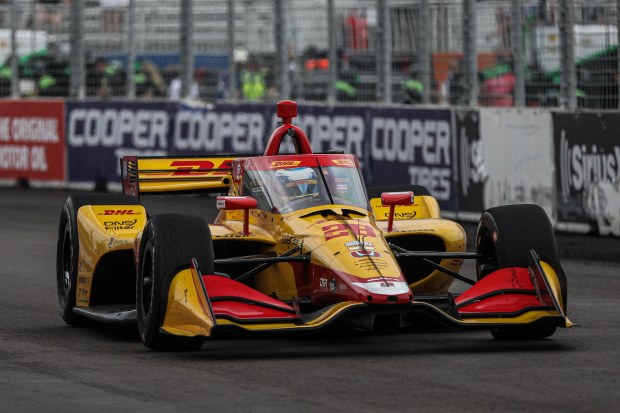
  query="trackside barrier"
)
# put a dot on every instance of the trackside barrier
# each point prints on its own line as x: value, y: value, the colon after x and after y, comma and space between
x: 469, y: 159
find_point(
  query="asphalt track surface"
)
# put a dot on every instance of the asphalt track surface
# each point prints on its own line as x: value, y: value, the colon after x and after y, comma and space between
x: 48, y: 366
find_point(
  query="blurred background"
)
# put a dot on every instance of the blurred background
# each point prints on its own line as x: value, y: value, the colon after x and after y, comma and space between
x: 535, y: 53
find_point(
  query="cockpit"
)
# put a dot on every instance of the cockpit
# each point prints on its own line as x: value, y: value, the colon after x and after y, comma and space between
x: 286, y: 185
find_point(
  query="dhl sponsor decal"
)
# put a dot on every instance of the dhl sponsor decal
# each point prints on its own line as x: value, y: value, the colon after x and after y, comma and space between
x: 186, y: 168
x: 284, y: 164
x: 343, y: 162
x: 119, y: 212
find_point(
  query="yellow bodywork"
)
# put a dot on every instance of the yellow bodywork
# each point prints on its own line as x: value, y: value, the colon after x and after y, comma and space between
x: 103, y: 229
x: 188, y: 312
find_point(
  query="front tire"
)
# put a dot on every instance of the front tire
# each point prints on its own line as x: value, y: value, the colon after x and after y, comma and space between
x: 505, y: 236
x: 68, y: 250
x: 169, y: 241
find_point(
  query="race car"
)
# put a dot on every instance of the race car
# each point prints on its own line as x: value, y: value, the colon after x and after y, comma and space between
x: 300, y: 245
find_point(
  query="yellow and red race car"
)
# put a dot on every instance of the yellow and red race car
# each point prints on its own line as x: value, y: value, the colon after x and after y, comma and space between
x: 300, y: 244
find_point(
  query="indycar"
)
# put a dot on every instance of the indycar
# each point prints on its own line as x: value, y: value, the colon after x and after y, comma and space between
x: 300, y: 244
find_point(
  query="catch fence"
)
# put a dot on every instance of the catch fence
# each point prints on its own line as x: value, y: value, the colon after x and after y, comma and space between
x: 546, y: 53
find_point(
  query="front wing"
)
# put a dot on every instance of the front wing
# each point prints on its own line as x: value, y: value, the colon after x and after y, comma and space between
x: 200, y: 305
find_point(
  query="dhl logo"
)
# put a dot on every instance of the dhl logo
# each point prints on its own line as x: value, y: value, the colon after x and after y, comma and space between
x: 343, y: 162
x: 284, y: 164
x: 119, y: 212
x: 192, y: 168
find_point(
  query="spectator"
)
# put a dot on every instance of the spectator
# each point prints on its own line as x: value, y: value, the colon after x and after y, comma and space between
x: 48, y: 15
x: 112, y: 14
x: 174, y: 90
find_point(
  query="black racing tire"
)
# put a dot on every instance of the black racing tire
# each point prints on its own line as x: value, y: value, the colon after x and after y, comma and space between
x: 68, y: 248
x: 169, y: 241
x: 505, y: 236
x: 376, y: 191
x: 507, y: 233
x: 524, y: 333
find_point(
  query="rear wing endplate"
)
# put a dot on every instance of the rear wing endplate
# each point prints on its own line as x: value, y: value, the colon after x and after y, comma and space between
x: 142, y: 175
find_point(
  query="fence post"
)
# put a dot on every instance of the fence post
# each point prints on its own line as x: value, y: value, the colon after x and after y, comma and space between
x: 281, y: 51
x: 618, y: 40
x: 14, y: 67
x: 568, y: 87
x: 131, y: 49
x: 232, y: 67
x: 187, y: 47
x: 384, y: 52
x: 518, y: 59
x: 470, y: 53
x: 333, y: 65
x: 425, y: 52
x: 77, y: 87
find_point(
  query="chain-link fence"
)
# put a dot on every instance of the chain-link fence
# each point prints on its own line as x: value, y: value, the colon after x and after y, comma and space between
x: 548, y: 53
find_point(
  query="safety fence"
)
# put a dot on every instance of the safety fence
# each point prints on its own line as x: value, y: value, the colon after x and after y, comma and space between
x: 470, y: 160
x: 523, y: 53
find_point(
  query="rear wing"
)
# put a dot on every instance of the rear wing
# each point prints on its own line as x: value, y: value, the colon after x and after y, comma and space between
x: 176, y: 174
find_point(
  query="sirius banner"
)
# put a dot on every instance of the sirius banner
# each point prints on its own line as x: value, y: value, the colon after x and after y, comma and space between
x: 587, y: 161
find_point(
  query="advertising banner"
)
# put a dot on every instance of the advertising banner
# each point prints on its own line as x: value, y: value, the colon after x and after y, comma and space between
x: 472, y: 170
x: 510, y: 163
x: 100, y: 133
x: 395, y: 145
x: 412, y: 146
x: 32, y: 142
x: 587, y: 161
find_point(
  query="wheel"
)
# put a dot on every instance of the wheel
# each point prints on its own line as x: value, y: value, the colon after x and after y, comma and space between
x: 524, y: 333
x: 507, y: 233
x: 67, y: 249
x: 376, y: 191
x: 168, y: 242
x: 505, y: 236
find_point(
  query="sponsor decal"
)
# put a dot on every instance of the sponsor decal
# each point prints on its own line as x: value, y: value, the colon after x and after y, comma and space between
x: 343, y: 162
x: 352, y: 229
x: 342, y: 287
x: 220, y: 204
x: 358, y: 245
x: 120, y: 212
x: 323, y: 282
x: 402, y: 215
x: 361, y: 254
x: 119, y: 225
x: 284, y: 164
x: 332, y: 285
x: 342, y: 187
x: 118, y: 242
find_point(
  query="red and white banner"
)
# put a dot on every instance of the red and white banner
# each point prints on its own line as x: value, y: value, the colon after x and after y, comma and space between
x: 32, y: 140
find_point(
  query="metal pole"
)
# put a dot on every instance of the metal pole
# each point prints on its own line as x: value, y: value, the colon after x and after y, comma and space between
x: 568, y: 87
x: 333, y: 59
x: 77, y: 89
x: 186, y: 47
x: 425, y: 52
x: 14, y: 67
x: 281, y: 51
x: 470, y: 52
x: 131, y: 49
x: 518, y: 59
x: 618, y: 40
x: 232, y: 67
x: 384, y: 51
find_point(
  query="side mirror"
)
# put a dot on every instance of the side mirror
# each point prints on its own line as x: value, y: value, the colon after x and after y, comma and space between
x: 392, y: 199
x: 236, y: 203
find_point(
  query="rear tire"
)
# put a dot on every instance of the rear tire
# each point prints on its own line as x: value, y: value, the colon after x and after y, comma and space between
x: 505, y: 236
x: 169, y: 241
x: 68, y: 250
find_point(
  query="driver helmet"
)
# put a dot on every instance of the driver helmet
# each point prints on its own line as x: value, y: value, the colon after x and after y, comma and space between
x: 295, y: 182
